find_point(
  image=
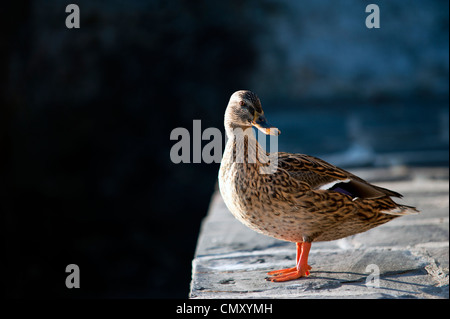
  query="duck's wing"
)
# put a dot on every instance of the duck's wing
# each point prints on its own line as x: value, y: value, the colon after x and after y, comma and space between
x: 320, y: 175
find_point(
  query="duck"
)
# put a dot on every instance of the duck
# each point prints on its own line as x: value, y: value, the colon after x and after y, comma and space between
x: 294, y: 197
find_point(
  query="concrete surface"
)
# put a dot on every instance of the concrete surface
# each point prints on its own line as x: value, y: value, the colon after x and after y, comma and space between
x: 410, y: 253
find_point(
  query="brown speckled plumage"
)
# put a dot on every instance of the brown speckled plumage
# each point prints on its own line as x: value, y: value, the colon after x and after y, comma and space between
x: 305, y: 199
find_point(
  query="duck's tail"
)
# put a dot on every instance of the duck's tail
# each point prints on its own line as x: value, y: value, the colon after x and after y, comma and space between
x: 401, y: 210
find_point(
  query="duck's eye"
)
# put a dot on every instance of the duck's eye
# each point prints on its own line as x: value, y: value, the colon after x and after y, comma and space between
x: 250, y: 108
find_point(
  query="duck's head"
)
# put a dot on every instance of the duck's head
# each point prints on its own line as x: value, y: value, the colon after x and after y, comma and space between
x: 244, y: 111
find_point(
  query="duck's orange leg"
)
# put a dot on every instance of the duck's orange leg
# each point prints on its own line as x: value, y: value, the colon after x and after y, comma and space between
x: 283, y: 271
x: 301, y: 270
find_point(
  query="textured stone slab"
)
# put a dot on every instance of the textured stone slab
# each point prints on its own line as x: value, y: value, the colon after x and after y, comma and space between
x: 410, y: 253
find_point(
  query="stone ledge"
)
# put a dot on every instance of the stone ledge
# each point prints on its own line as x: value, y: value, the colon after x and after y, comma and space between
x: 411, y: 252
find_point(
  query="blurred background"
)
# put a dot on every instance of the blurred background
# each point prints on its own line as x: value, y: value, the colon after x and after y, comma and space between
x: 86, y: 116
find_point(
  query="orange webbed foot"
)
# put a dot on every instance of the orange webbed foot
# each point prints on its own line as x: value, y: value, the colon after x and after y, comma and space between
x: 281, y: 271
x: 288, y: 274
x: 284, y: 271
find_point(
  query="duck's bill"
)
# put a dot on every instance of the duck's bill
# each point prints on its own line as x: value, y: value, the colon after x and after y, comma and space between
x: 261, y: 124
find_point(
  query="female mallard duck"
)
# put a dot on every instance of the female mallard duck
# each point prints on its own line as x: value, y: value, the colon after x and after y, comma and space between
x: 300, y: 198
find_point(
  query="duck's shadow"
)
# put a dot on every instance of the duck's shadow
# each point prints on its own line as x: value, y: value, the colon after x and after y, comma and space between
x: 386, y: 282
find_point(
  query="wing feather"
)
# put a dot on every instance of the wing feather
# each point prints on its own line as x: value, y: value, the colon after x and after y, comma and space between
x: 319, y: 174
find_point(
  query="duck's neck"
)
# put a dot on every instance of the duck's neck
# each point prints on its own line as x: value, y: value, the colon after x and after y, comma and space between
x: 242, y: 147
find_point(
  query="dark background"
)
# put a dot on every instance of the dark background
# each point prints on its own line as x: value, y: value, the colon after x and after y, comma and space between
x: 86, y: 116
